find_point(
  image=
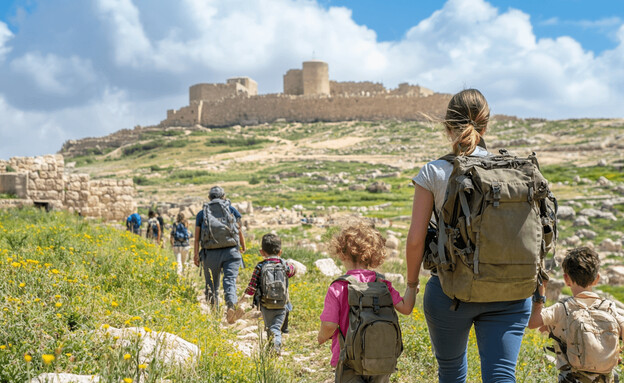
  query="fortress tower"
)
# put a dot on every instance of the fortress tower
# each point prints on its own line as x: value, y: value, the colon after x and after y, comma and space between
x: 313, y: 79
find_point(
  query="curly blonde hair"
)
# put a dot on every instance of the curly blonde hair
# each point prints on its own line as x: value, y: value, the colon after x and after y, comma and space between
x: 359, y: 243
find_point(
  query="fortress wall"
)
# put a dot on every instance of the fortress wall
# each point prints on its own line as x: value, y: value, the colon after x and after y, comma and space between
x: 46, y: 181
x: 268, y: 108
x: 185, y: 116
x: 250, y: 85
x: 293, y: 82
x: 213, y: 92
x: 356, y: 88
x: 315, y: 78
x: 405, y: 89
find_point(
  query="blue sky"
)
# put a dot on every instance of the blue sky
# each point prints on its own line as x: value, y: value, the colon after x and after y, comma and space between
x: 593, y: 23
x: 71, y: 68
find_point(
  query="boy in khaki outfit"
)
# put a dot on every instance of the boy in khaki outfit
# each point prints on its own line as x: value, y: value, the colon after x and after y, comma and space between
x: 586, y: 328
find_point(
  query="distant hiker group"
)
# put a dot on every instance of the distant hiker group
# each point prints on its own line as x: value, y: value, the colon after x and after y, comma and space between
x: 481, y: 223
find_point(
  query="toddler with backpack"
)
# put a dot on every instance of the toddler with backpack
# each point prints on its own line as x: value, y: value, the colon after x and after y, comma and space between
x: 179, y: 240
x: 269, y: 288
x: 359, y: 312
x: 133, y: 223
x: 586, y: 329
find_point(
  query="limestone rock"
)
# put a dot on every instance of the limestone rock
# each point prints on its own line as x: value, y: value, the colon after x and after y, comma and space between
x: 603, y: 181
x: 586, y: 233
x: 357, y: 187
x: 395, y: 278
x: 65, y: 378
x: 581, y: 221
x: 553, y: 289
x: 300, y: 267
x: 566, y: 212
x: 169, y: 348
x: 615, y: 273
x: 609, y: 245
x: 392, y: 242
x: 595, y: 213
x: 328, y: 267
x: 573, y: 240
x: 379, y: 187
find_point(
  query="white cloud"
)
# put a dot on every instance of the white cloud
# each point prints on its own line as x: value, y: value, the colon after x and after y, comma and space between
x: 5, y: 36
x: 54, y: 74
x: 130, y: 60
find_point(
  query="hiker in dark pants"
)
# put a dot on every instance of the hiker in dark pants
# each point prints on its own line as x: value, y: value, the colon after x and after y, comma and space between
x: 218, y: 229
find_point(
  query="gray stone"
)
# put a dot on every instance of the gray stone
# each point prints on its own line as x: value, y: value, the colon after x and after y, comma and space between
x: 553, y: 289
x: 392, y: 242
x: 609, y: 245
x: 394, y: 278
x: 328, y: 267
x: 615, y: 273
x: 566, y: 212
x: 581, y: 221
x: 586, y: 233
x: 300, y: 267
x: 595, y: 213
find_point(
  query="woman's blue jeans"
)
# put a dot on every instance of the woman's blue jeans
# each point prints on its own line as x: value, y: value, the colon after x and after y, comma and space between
x: 499, y: 327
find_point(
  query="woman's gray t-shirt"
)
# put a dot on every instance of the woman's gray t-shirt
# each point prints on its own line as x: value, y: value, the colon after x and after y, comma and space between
x: 434, y: 177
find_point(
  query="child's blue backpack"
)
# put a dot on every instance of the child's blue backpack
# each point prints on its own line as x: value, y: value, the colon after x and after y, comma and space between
x: 134, y: 219
x: 181, y: 233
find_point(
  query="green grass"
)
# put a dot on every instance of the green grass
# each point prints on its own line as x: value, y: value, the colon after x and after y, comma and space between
x: 7, y: 196
x: 567, y: 172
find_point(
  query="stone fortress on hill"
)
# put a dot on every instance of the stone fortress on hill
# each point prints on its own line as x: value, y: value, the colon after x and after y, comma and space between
x: 308, y: 96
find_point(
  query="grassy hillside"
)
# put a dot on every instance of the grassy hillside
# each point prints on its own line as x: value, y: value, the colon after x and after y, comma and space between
x: 62, y: 278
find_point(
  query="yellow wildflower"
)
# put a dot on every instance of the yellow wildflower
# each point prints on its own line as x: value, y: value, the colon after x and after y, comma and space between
x: 58, y: 304
x: 47, y: 358
x: 127, y: 356
x: 142, y: 366
x: 127, y: 380
x: 27, y: 358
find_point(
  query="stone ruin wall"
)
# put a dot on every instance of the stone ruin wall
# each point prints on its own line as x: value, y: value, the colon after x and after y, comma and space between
x: 268, y: 108
x: 46, y: 182
x: 186, y: 116
x: 355, y: 88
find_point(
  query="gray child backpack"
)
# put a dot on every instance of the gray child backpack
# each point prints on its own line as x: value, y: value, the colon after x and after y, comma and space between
x: 497, y: 224
x: 274, y: 285
x: 373, y: 341
x: 219, y: 229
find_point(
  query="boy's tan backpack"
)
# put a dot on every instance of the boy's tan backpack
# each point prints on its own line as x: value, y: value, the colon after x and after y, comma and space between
x: 591, y: 334
x: 497, y: 224
x: 373, y: 340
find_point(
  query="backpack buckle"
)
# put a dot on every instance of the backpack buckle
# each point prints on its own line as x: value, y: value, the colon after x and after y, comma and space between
x: 496, y: 190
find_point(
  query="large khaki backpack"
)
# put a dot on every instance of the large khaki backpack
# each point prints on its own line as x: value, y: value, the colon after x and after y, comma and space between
x: 219, y: 228
x: 274, y: 285
x: 591, y: 335
x: 497, y: 224
x: 373, y: 340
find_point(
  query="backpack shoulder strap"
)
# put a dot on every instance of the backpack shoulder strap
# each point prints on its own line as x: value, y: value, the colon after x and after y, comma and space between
x: 346, y: 278
x: 450, y: 157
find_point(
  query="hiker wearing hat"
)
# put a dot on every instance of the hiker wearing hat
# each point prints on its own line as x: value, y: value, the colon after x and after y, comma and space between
x: 218, y: 230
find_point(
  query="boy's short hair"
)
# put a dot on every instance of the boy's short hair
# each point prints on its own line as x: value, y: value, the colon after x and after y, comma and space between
x: 360, y: 243
x: 271, y: 244
x: 582, y: 265
x: 150, y: 213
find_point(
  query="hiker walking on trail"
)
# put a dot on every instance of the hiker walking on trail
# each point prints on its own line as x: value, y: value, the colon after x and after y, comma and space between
x: 218, y: 230
x: 359, y: 312
x: 179, y: 240
x: 495, y: 224
x: 269, y: 288
x: 586, y: 329
x: 133, y: 223
x: 154, y: 231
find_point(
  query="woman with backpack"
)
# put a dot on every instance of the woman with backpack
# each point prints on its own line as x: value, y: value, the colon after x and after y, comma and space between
x: 499, y: 325
x: 179, y: 240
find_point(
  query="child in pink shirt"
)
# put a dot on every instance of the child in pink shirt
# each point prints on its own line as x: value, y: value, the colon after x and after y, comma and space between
x: 361, y: 248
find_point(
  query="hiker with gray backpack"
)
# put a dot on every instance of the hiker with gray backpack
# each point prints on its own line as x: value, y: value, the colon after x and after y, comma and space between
x: 218, y: 231
x: 359, y: 312
x: 494, y: 223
